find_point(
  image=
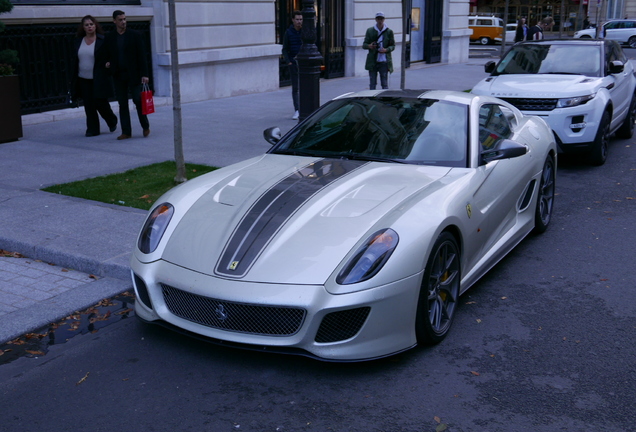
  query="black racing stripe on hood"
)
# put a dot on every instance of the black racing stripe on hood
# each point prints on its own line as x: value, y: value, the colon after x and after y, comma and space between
x: 270, y: 212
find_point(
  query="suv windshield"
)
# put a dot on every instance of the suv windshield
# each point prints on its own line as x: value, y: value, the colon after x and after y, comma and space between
x: 552, y: 59
x: 386, y: 129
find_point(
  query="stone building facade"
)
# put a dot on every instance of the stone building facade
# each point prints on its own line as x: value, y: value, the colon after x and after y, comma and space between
x: 229, y: 47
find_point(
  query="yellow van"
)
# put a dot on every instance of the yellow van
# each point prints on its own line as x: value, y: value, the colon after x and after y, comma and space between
x: 486, y: 29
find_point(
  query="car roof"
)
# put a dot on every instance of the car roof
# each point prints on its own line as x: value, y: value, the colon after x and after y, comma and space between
x: 448, y: 95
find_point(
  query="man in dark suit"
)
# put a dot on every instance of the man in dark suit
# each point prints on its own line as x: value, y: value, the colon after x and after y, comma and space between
x: 127, y: 64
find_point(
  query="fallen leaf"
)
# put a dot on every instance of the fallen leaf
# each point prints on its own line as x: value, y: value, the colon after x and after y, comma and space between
x: 125, y: 311
x: 504, y: 298
x: 83, y: 379
x: 144, y: 196
x: 478, y: 321
x: 65, y: 270
x: 441, y: 427
x: 470, y: 302
x: 92, y: 276
x: 475, y: 373
x: 437, y: 419
x: 35, y: 352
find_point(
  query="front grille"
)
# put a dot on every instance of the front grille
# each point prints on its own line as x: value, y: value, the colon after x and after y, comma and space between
x: 232, y: 316
x: 342, y: 325
x: 532, y: 104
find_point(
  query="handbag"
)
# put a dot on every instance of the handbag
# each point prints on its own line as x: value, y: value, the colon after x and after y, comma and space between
x: 147, y: 103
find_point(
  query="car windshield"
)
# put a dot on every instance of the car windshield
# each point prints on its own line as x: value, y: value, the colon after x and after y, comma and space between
x: 385, y: 129
x: 552, y: 59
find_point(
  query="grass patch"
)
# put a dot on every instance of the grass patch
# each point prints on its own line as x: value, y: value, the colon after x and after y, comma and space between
x: 139, y: 187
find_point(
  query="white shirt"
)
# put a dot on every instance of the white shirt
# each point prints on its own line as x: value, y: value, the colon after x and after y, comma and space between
x: 86, y: 55
x: 381, y: 56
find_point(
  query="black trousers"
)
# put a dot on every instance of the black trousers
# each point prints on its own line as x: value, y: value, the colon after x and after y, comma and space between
x: 93, y: 105
x: 293, y: 75
x: 122, y: 89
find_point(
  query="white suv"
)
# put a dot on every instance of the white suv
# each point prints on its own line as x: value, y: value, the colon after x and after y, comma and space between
x: 583, y: 88
x: 622, y: 31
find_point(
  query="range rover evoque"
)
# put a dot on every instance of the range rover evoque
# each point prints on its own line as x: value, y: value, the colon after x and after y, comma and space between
x: 584, y: 89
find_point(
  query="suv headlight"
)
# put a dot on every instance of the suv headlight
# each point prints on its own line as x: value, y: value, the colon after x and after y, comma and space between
x: 370, y: 258
x: 574, y: 101
x: 154, y: 228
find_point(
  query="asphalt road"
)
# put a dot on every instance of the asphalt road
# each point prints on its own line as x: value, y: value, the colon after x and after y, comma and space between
x: 543, y: 343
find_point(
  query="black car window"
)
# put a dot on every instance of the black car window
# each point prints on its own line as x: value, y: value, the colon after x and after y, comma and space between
x: 391, y: 129
x: 557, y: 58
x: 494, y: 126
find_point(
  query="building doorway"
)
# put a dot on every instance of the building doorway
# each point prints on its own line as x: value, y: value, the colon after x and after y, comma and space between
x: 417, y: 30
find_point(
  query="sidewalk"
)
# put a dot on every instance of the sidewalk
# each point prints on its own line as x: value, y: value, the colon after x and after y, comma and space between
x: 90, y: 243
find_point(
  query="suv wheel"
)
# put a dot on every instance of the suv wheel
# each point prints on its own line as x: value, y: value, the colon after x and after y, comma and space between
x: 627, y: 128
x: 632, y: 42
x: 598, y: 156
x: 484, y: 40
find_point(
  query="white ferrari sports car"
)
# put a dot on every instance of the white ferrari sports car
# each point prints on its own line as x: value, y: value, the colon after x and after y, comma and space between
x: 355, y: 235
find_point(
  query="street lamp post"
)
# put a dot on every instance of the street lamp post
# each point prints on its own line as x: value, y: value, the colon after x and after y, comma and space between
x: 309, y: 61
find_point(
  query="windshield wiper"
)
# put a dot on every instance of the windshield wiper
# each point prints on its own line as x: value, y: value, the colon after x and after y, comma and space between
x: 357, y: 156
x: 293, y: 152
x: 562, y: 73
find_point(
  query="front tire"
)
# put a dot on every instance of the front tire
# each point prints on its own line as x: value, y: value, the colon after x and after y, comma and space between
x: 545, y: 198
x: 626, y: 130
x: 439, y: 293
x: 484, y: 40
x: 632, y: 42
x: 598, y: 156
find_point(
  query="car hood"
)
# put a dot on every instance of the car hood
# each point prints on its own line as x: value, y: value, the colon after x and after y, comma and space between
x: 537, y: 86
x: 288, y: 219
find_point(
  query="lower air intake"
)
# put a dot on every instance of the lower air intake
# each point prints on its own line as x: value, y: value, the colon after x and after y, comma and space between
x: 342, y: 325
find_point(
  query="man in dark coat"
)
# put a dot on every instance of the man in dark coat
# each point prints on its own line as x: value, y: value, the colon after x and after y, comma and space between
x: 292, y: 42
x: 380, y: 41
x: 127, y: 64
x: 536, y: 32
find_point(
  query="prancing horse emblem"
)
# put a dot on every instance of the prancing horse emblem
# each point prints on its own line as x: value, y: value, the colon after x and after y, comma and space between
x: 469, y: 210
x: 220, y: 313
x: 233, y: 265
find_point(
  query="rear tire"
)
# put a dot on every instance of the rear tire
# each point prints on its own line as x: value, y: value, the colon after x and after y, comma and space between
x: 484, y: 40
x: 439, y: 292
x: 626, y: 130
x: 598, y: 155
x: 632, y: 42
x: 545, y: 198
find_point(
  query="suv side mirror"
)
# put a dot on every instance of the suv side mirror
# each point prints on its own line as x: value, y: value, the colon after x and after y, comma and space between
x: 272, y: 135
x: 489, y: 67
x: 616, y: 66
x: 505, y: 149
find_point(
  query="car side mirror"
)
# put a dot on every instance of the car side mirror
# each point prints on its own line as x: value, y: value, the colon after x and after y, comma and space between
x: 505, y: 149
x: 489, y: 67
x: 272, y: 135
x: 616, y: 66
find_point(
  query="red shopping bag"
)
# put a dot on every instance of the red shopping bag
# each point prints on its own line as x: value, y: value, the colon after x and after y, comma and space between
x: 147, y: 103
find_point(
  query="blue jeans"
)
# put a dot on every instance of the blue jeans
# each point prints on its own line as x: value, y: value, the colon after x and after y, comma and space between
x: 383, y: 69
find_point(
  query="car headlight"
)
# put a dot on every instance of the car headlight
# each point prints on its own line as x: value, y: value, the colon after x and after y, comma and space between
x: 369, y: 259
x: 154, y: 228
x: 574, y: 101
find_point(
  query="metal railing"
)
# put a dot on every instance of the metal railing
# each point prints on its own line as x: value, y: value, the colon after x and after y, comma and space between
x: 46, y: 53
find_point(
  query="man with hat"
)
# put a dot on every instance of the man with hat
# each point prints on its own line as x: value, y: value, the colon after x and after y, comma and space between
x: 379, y: 40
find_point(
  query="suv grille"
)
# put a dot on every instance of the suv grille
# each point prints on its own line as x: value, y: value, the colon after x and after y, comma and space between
x: 232, y: 316
x: 532, y: 104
